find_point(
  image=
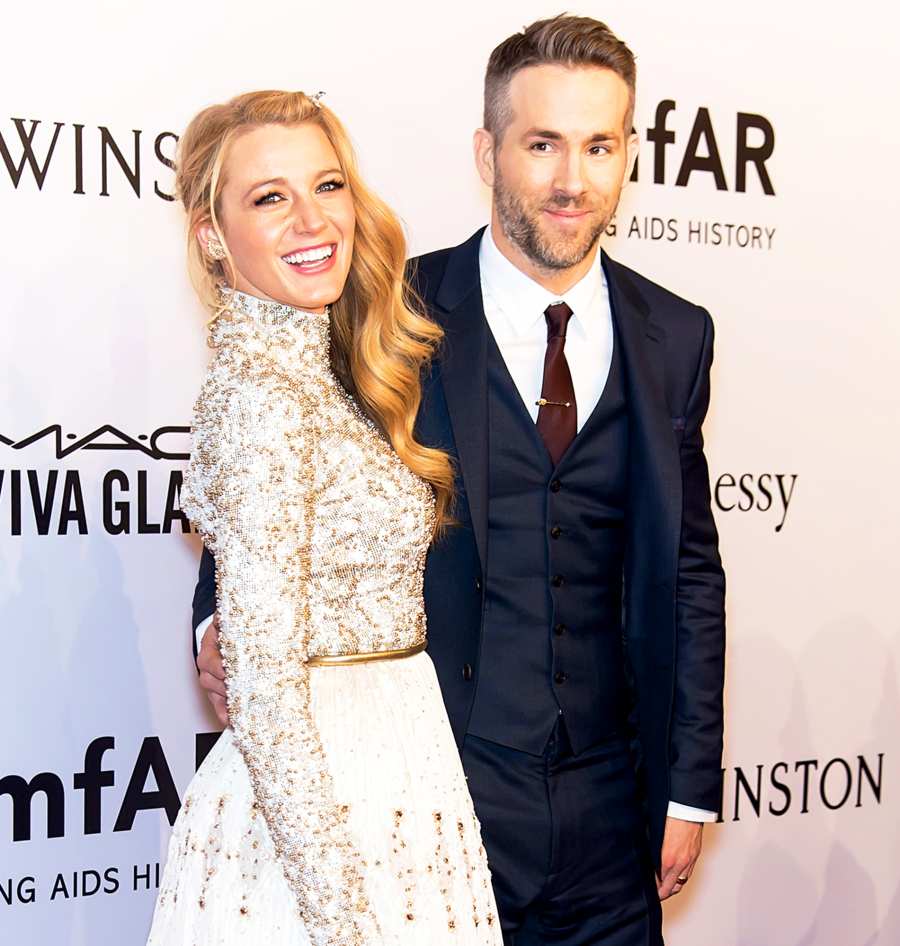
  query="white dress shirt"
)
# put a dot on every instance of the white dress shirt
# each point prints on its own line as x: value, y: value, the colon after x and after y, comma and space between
x: 514, y: 306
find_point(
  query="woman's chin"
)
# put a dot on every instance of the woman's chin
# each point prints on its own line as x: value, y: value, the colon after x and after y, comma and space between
x: 311, y: 296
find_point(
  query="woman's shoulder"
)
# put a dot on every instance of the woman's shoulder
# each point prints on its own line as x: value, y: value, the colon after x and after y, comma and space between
x: 244, y: 394
x: 234, y: 387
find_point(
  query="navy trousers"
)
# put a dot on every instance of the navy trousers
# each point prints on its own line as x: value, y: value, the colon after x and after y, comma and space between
x: 566, y: 843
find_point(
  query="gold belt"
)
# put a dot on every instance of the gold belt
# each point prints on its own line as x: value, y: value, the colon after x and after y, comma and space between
x: 337, y: 660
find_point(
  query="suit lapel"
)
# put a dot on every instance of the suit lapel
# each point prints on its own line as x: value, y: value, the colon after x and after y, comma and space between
x: 464, y: 376
x: 655, y: 469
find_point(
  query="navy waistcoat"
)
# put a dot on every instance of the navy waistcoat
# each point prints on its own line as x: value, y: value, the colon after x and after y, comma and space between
x: 553, y: 592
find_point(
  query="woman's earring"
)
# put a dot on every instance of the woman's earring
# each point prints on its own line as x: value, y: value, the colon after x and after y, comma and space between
x: 215, y: 249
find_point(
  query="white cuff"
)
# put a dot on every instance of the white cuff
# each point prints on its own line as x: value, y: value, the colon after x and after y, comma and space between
x: 200, y: 630
x: 687, y: 813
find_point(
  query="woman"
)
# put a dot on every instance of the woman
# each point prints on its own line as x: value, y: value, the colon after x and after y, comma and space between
x: 334, y: 810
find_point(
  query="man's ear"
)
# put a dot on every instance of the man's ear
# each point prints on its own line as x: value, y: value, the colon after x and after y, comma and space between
x: 483, y: 145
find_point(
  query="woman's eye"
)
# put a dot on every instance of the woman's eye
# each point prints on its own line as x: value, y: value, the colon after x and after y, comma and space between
x: 326, y: 186
x: 273, y: 197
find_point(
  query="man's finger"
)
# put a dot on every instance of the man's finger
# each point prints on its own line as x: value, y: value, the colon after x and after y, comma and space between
x: 210, y: 657
x: 220, y: 707
x: 667, y: 885
x: 212, y: 684
x: 210, y: 661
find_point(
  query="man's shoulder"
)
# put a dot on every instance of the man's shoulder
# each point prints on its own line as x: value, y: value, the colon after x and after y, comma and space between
x: 426, y: 271
x: 434, y: 261
x: 663, y: 305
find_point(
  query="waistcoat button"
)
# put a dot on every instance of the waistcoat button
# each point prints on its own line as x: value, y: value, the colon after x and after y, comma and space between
x: 467, y: 671
x: 559, y: 630
x: 560, y: 677
x: 555, y: 486
x: 555, y: 532
x: 478, y: 584
x: 556, y: 581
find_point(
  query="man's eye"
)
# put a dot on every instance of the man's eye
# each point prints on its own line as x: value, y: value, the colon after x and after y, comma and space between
x: 334, y: 185
x: 542, y: 146
x: 600, y: 149
x: 273, y: 197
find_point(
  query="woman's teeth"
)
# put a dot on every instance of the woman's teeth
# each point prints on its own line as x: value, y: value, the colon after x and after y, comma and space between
x: 310, y: 256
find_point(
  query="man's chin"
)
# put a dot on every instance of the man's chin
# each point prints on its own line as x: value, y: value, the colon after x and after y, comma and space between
x: 562, y: 256
x: 565, y: 246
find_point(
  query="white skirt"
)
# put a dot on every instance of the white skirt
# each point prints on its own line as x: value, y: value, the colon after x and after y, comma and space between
x: 394, y: 762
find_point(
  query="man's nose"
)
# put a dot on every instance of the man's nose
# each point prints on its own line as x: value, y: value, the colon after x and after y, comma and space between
x: 571, y: 180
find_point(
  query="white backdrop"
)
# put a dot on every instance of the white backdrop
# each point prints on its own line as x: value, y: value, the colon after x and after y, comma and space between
x: 103, y: 345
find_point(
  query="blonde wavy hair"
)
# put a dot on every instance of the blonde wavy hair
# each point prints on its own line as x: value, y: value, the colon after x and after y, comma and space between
x: 380, y: 341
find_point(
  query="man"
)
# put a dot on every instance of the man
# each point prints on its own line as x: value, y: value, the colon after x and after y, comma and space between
x: 576, y: 614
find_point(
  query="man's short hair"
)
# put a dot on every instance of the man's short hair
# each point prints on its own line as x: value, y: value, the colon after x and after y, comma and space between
x: 563, y: 41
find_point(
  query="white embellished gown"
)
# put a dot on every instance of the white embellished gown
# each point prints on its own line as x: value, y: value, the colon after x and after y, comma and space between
x: 334, y: 811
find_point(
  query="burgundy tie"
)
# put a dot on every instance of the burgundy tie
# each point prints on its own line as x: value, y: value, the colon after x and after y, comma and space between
x: 557, y: 420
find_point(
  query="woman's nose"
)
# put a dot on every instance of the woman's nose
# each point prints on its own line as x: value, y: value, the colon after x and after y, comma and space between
x: 309, y: 218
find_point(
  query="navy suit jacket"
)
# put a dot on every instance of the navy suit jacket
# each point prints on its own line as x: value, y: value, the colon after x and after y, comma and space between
x: 673, y: 622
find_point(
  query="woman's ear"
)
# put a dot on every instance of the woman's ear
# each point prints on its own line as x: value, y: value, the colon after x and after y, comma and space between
x: 210, y: 244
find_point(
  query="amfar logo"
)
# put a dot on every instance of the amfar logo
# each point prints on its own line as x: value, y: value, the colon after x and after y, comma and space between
x: 150, y: 788
x: 701, y: 153
x: 56, y: 497
x: 700, y: 159
x: 150, y: 765
x: 38, y: 147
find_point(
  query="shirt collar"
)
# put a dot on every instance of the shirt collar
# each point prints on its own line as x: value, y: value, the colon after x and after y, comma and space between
x: 523, y: 301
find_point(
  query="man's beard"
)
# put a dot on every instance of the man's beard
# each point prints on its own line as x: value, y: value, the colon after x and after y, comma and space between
x: 521, y: 225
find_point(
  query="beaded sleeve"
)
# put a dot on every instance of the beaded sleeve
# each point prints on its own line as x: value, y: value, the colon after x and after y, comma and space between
x: 251, y: 488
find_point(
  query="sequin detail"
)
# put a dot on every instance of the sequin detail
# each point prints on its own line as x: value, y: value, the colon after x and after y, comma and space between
x: 320, y: 534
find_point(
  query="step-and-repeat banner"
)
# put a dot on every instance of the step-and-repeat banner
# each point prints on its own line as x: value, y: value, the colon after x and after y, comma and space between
x: 766, y: 190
